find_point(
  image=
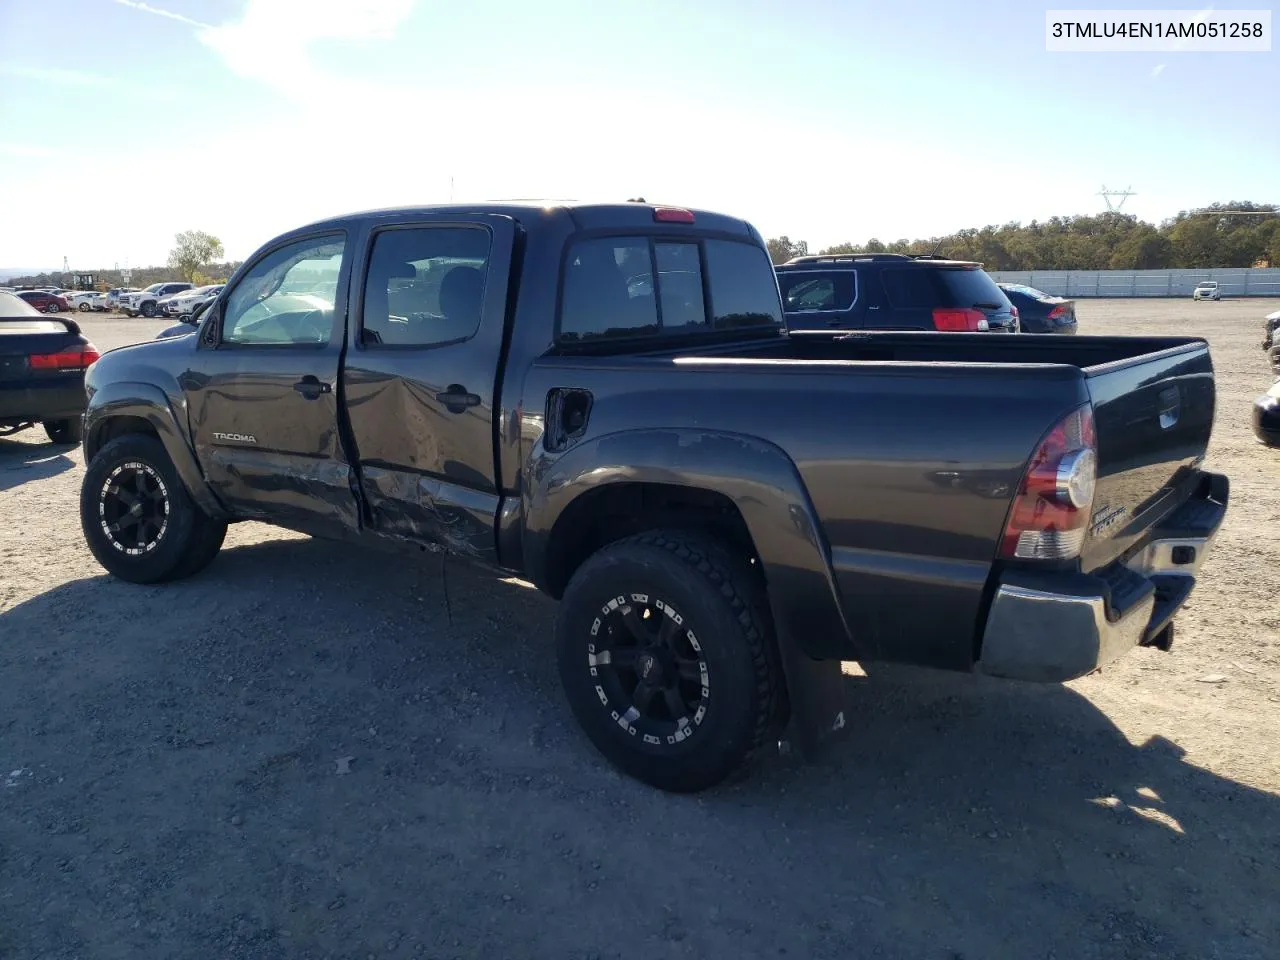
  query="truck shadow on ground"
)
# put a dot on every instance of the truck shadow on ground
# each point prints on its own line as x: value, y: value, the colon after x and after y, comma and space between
x: 23, y: 462
x: 221, y: 761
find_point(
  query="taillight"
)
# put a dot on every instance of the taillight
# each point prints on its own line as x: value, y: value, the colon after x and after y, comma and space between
x: 959, y: 319
x: 1051, y: 510
x: 76, y: 358
x: 1057, y: 312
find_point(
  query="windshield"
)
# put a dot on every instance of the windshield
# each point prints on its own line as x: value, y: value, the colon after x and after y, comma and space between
x: 153, y: 288
x: 973, y: 288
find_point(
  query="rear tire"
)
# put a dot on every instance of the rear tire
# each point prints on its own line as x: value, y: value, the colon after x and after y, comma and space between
x: 65, y: 431
x: 137, y: 517
x: 710, y: 690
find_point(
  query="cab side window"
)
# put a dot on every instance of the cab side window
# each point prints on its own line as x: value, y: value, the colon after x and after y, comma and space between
x: 425, y: 286
x: 287, y: 297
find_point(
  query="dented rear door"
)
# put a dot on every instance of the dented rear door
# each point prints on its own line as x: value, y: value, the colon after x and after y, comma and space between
x: 420, y: 373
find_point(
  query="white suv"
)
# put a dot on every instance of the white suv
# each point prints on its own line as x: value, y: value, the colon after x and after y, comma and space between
x: 1206, y: 290
x: 145, y: 301
x: 184, y: 304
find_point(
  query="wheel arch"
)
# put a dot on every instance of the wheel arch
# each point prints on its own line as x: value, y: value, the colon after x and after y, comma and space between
x: 744, y: 491
x: 119, y: 409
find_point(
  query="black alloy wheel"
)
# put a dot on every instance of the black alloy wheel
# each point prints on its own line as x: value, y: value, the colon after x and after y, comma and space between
x: 133, y: 508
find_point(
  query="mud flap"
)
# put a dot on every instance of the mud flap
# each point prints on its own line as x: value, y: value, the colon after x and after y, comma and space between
x: 817, y: 691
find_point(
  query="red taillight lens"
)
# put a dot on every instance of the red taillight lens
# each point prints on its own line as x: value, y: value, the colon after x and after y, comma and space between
x: 1050, y: 512
x: 672, y: 215
x: 959, y: 319
x: 1058, y: 311
x: 76, y: 358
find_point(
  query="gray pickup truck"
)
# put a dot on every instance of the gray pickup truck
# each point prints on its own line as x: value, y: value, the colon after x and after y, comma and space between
x: 605, y: 400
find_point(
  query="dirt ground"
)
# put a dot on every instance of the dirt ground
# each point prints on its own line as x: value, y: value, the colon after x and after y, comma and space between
x: 316, y: 750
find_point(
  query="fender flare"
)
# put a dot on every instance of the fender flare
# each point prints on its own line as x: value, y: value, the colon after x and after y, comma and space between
x: 148, y: 402
x: 757, y: 476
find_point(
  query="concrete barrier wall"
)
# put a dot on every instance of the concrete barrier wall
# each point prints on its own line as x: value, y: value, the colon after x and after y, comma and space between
x: 1234, y: 282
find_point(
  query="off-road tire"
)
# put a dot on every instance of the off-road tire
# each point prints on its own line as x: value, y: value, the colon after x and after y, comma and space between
x: 65, y: 431
x: 719, y: 599
x: 189, y: 540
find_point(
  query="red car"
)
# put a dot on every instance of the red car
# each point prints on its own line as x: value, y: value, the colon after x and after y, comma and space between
x: 44, y: 302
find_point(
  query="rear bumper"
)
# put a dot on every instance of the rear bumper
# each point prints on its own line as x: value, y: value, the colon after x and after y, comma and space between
x: 1052, y: 627
x: 48, y: 400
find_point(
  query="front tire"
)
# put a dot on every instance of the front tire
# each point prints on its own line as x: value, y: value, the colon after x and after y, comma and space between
x: 84, y: 308
x: 148, y: 310
x: 137, y: 517
x: 65, y: 431
x: 667, y: 659
x: 1273, y: 357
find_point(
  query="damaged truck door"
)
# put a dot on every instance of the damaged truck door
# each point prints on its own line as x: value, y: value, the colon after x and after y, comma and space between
x: 420, y: 374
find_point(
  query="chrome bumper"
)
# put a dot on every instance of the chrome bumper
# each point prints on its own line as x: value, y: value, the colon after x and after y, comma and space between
x: 1055, y: 627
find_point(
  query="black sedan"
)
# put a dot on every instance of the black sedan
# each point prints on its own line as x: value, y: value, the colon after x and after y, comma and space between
x: 42, y: 365
x: 1040, y: 312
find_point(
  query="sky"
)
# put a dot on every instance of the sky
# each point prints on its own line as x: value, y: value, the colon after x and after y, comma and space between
x: 123, y: 122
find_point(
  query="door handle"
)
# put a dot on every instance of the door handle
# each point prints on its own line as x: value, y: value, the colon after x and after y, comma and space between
x: 456, y: 399
x: 311, y: 387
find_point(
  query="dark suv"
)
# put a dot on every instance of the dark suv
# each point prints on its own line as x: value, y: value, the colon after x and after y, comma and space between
x: 890, y: 291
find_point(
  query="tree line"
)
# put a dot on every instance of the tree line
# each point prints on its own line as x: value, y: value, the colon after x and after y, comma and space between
x: 1213, y: 236
x: 195, y: 257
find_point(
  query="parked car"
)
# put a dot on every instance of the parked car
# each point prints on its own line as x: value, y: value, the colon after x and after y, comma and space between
x: 1206, y: 290
x: 115, y: 294
x: 723, y: 509
x: 1266, y: 416
x: 1271, y: 340
x: 87, y: 300
x: 1040, y: 312
x: 183, y: 303
x: 889, y: 291
x: 44, y: 302
x: 146, y: 301
x: 42, y: 365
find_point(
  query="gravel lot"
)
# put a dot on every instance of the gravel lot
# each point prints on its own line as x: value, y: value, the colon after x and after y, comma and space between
x: 317, y: 750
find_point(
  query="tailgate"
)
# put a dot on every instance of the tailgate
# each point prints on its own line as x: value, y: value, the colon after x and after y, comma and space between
x: 1153, y: 415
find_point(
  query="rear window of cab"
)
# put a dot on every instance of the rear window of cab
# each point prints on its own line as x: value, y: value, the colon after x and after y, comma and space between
x: 649, y: 286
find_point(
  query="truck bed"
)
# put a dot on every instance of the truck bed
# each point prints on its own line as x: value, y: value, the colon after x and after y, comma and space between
x: 910, y: 447
x: 1085, y: 353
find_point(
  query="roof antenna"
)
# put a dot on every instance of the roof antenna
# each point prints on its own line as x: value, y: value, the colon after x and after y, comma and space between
x: 937, y: 247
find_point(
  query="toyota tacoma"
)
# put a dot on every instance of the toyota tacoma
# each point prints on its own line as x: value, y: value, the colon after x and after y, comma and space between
x: 605, y: 400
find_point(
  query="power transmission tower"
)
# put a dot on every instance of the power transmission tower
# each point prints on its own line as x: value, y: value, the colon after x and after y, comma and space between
x: 1124, y: 195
